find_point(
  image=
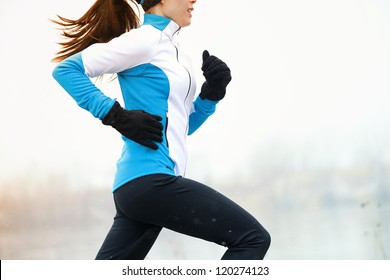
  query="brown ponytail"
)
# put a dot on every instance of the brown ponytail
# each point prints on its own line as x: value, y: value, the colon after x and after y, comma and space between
x: 105, y: 20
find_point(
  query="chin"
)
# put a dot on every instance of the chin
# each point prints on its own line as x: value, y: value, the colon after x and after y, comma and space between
x: 184, y: 24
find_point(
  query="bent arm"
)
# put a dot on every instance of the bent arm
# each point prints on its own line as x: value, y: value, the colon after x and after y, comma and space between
x: 121, y: 53
x: 70, y: 74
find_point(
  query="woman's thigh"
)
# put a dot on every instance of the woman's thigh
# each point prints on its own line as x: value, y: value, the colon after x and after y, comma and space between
x: 185, y: 206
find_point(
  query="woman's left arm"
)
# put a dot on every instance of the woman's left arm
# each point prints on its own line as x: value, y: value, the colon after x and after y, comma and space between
x: 218, y: 76
x: 201, y: 110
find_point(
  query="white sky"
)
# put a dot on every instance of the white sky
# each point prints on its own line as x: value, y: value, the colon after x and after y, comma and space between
x: 309, y: 76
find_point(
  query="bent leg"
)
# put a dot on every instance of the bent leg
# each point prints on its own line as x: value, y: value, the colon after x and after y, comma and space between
x: 194, y: 209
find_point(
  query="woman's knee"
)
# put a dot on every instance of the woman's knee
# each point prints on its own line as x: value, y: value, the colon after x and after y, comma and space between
x: 256, y: 240
x: 257, y: 237
x: 253, y: 244
x: 266, y: 238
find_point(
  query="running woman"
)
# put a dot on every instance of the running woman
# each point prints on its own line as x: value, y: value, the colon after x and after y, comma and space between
x: 160, y: 109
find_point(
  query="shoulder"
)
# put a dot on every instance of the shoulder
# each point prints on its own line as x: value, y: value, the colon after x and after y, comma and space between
x: 141, y: 40
x: 132, y: 48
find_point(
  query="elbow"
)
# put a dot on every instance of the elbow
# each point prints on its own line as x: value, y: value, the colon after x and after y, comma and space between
x: 59, y: 71
x: 56, y: 72
x: 68, y: 67
x: 190, y: 131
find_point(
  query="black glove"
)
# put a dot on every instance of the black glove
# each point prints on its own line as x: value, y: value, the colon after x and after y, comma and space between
x: 137, y: 125
x: 217, y: 75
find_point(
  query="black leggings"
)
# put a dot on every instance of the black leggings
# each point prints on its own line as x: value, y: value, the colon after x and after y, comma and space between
x: 148, y: 204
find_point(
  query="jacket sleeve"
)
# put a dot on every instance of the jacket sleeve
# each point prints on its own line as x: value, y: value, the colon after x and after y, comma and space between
x: 70, y: 74
x: 201, y: 110
x: 126, y: 51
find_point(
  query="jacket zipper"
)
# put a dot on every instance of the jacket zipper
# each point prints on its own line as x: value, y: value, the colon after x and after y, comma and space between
x: 188, y: 93
x: 189, y: 79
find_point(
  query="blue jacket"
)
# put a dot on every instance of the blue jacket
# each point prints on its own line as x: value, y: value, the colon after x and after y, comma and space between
x: 154, y: 76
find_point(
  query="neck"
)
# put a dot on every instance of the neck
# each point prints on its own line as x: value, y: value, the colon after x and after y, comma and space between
x: 156, y: 9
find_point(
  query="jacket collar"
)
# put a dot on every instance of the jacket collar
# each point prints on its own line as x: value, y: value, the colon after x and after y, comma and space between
x: 166, y: 25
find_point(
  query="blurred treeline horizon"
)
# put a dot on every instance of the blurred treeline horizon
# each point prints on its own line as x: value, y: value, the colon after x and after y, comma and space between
x: 312, y: 212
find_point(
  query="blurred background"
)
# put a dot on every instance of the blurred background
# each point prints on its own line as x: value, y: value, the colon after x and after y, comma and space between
x: 302, y: 139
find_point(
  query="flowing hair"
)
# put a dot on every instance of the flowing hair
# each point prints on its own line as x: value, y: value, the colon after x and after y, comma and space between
x: 105, y: 20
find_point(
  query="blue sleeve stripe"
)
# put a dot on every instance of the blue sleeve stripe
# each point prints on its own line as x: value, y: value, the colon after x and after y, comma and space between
x: 203, y: 108
x: 70, y: 74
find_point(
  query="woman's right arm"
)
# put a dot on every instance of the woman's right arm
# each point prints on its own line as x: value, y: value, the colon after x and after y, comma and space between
x: 128, y: 50
x: 70, y: 74
x: 122, y: 53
